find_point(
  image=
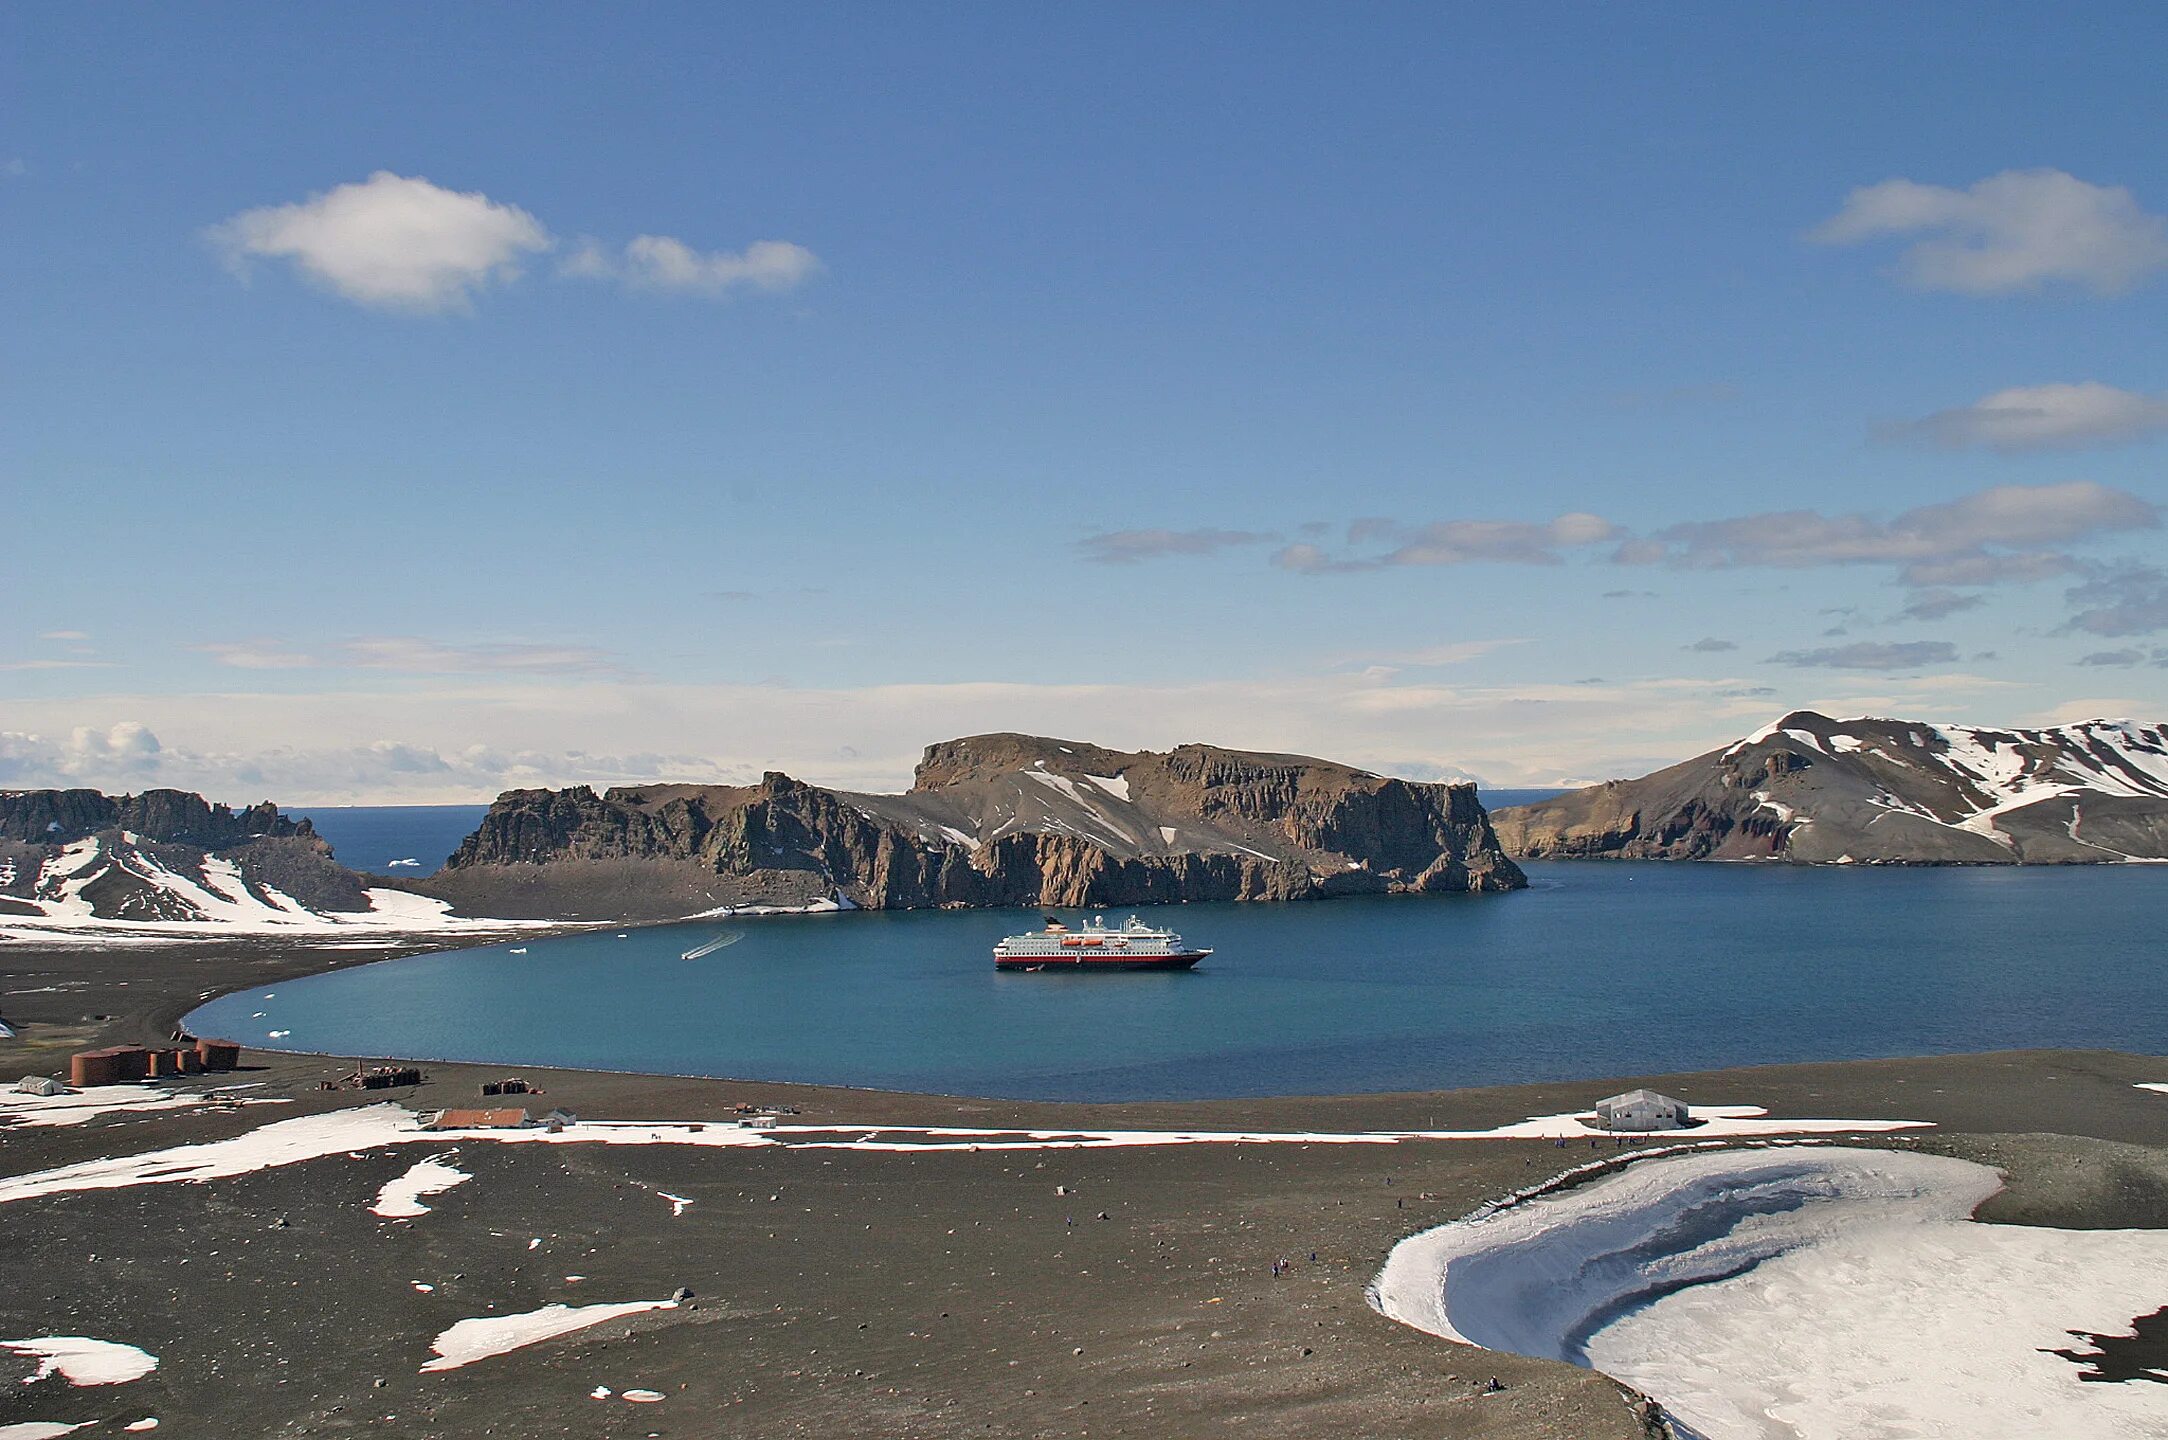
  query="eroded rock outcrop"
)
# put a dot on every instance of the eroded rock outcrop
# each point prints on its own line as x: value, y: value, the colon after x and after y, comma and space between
x: 989, y: 820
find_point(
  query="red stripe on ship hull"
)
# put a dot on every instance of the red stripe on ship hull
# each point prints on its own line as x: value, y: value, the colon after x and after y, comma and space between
x: 1100, y: 962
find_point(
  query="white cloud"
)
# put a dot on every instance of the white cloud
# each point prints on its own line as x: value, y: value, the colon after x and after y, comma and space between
x: 55, y: 664
x: 2004, y: 533
x: 2010, y: 232
x: 1452, y: 542
x: 1870, y: 655
x: 2043, y: 417
x: 65, y: 635
x: 1127, y: 547
x: 417, y: 656
x: 663, y: 262
x: 392, y: 241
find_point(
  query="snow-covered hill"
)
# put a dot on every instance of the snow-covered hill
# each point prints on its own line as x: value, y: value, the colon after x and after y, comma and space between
x: 1811, y: 788
x: 76, y: 861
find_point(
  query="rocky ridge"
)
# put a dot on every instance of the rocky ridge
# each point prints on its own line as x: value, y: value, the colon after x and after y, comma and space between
x: 166, y: 857
x: 1813, y: 789
x: 999, y: 819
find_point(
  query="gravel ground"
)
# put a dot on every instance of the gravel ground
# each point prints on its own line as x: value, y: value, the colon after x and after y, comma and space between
x: 869, y: 1293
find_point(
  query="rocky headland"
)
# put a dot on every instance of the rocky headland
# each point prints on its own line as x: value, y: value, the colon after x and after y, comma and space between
x: 164, y: 856
x: 989, y: 820
x: 1814, y: 789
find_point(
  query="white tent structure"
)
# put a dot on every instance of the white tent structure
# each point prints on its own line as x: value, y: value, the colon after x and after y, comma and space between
x: 1641, y: 1110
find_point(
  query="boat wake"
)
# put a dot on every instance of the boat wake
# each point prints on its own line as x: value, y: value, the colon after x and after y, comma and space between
x: 718, y: 943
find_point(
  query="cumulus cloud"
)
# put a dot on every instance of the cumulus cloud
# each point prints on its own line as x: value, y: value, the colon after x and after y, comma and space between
x: 2011, y: 232
x: 1127, y: 547
x: 394, y: 241
x: 1869, y: 655
x: 2042, y: 417
x: 1450, y: 542
x: 416, y: 656
x: 663, y: 262
x: 2119, y: 600
x: 2005, y: 533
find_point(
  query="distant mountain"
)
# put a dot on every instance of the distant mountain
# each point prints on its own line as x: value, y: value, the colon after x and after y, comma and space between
x: 1813, y: 789
x: 989, y: 820
x: 169, y: 860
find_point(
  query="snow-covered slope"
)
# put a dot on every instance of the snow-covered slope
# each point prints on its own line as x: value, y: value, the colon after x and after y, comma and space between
x: 1811, y: 788
x: 67, y: 866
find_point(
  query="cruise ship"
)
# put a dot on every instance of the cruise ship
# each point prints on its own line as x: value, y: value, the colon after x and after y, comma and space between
x: 1136, y: 946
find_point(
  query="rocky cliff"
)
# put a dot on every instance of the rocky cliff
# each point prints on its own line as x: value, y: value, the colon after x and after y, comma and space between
x: 988, y: 820
x: 80, y: 857
x: 1813, y: 789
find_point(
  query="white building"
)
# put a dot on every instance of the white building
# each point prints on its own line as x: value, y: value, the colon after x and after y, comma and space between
x: 1641, y: 1110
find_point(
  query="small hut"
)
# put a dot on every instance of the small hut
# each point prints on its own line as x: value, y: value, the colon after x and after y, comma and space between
x: 39, y: 1085
x: 1641, y: 1110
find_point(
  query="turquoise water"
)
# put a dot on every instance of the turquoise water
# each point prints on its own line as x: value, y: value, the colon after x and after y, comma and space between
x: 1600, y: 968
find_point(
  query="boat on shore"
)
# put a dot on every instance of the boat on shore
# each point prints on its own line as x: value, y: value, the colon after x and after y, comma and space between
x: 1135, y: 946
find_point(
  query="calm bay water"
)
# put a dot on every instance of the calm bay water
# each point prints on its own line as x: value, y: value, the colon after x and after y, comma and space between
x: 1599, y: 969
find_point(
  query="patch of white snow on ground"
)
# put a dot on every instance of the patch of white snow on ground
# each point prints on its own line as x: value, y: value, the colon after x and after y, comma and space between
x: 78, y: 1106
x: 677, y: 1203
x: 83, y: 1361
x: 1801, y: 1294
x: 1115, y: 785
x: 365, y: 1127
x: 2159, y: 1087
x: 42, y: 1429
x: 401, y: 1198
x: 480, y: 1338
x: 148, y: 1422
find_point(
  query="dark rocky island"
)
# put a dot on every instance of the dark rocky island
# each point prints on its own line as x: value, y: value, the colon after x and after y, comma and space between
x: 1817, y: 790
x: 989, y: 820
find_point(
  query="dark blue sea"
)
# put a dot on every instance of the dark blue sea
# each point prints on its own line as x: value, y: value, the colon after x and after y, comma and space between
x: 1600, y: 968
x: 393, y: 839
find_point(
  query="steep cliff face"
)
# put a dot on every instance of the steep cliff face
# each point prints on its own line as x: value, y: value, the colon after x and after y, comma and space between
x: 1812, y: 789
x: 173, y: 817
x: 989, y: 820
x: 165, y: 857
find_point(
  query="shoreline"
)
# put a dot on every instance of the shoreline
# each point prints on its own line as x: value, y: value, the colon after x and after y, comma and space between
x: 861, y: 1290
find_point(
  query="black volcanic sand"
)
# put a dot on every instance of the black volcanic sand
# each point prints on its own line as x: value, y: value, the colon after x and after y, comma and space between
x: 848, y: 1294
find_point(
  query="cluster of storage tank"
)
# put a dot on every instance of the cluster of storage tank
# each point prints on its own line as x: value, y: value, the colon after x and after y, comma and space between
x: 123, y: 1064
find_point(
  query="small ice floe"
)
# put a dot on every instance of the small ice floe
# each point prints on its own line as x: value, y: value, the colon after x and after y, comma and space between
x: 257, y: 1014
x: 643, y: 1397
x: 480, y: 1338
x: 82, y: 1361
x: 1800, y: 1294
x: 277, y: 1034
x: 517, y: 950
x: 401, y: 1199
x: 409, y: 860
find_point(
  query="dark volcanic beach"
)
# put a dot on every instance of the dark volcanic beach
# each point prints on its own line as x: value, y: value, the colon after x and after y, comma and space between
x: 1049, y: 1292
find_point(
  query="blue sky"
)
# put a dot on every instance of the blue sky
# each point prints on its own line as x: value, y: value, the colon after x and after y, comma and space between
x: 1143, y: 374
